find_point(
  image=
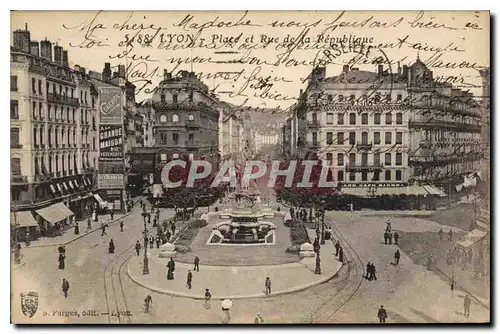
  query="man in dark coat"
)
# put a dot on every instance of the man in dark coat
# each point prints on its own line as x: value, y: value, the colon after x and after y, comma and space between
x: 386, y: 237
x: 121, y: 226
x: 450, y: 235
x: 103, y: 230
x: 112, y: 214
x: 390, y: 238
x: 151, y: 241
x: 397, y: 256
x: 157, y: 239
x: 369, y: 271
x: 196, y: 264
x: 65, y: 287
x: 168, y: 236
x: 337, y: 247
x: 137, y: 247
x: 189, y: 279
x: 62, y: 258
x: 341, y: 255
x: 396, y: 238
x: 440, y: 233
x: 171, y: 269
x: 111, y: 247
x: 382, y: 314
x: 374, y: 272
x: 173, y: 228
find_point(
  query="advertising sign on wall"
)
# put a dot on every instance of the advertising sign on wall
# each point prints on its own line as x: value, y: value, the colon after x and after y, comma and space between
x: 111, y: 165
x: 110, y: 106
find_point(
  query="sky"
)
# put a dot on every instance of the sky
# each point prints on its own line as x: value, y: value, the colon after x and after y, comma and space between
x: 272, y: 66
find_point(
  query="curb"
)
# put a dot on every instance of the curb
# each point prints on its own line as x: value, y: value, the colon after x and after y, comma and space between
x: 86, y: 233
x: 259, y: 295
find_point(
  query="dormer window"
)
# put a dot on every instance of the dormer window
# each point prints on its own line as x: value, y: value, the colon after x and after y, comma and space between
x: 163, y: 119
x: 191, y: 117
x: 175, y: 118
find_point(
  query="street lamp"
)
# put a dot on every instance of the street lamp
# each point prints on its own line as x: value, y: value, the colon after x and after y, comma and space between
x: 318, y: 264
x: 323, y: 227
x: 17, y: 249
x: 145, y: 270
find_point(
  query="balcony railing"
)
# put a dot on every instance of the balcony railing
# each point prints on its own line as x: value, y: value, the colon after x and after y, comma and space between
x: 192, y: 143
x: 313, y: 124
x: 192, y: 124
x: 444, y: 160
x: 364, y: 146
x: 438, y: 124
x: 16, y: 146
x: 18, y: 179
x: 51, y: 97
x: 363, y: 165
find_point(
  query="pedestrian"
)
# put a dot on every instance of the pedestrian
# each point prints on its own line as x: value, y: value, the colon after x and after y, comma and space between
x: 173, y: 228
x: 112, y: 214
x: 450, y: 235
x: 189, y: 279
x: 382, y: 314
x: 396, y: 238
x: 440, y: 233
x: 103, y: 230
x: 65, y: 287
x: 89, y: 224
x: 369, y: 271
x: 149, y: 218
x: 61, y: 249
x: 388, y: 226
x: 62, y: 257
x: 151, y: 241
x: 467, y: 302
x: 268, y: 286
x: 429, y: 262
x: 137, y: 247
x: 258, y: 319
x: 196, y: 263
x: 121, y: 226
x: 341, y: 255
x: 397, y: 256
x: 169, y: 235
x: 386, y: 237
x: 390, y: 238
x: 157, y: 241
x: 111, y: 248
x: 171, y: 269
x: 374, y: 272
x: 147, y: 303
x: 208, y: 296
x: 337, y: 248
x: 77, y: 230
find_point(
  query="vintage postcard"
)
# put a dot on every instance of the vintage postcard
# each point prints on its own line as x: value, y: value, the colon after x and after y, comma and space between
x: 239, y: 167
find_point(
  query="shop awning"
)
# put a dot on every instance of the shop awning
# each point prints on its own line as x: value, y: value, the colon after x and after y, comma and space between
x: 380, y: 191
x: 52, y: 188
x: 71, y: 184
x: 99, y: 199
x: 76, y: 183
x: 55, y: 213
x: 59, y: 187
x: 471, y: 238
x: 23, y: 219
x: 65, y: 186
x: 432, y: 190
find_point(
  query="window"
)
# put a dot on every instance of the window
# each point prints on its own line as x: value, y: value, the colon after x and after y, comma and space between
x: 388, y: 159
x: 352, y: 97
x: 376, y: 138
x: 33, y: 85
x: 329, y: 138
x: 191, y: 96
x: 60, y: 89
x: 175, y: 156
x: 399, y: 97
x: 163, y: 119
x: 329, y: 156
x: 352, y: 138
x: 399, y: 138
x: 376, y: 159
x: 71, y: 91
x: 388, y: 118
x: 93, y: 143
x: 364, y: 118
x: 163, y: 138
x: 34, y: 110
x: 376, y: 175
x: 399, y: 118
x: 341, y: 98
x: 175, y: 138
x: 388, y: 97
x: 15, y: 166
x: 14, y: 137
x: 340, y: 175
x: 93, y: 102
x: 175, y: 118
x: 352, y: 176
x: 399, y: 159
x: 340, y: 138
x: 34, y: 137
x: 387, y: 175
x: 81, y: 94
x: 364, y: 176
x: 163, y: 157
x: 398, y: 175
x: 340, y: 159
x: 352, y: 158
x: 364, y: 138
x: 329, y: 118
x: 376, y: 119
x: 40, y: 111
x: 314, y: 118
x: 364, y: 159
x: 174, y: 98
x: 388, y: 137
x: 340, y: 119
x: 191, y: 117
x: 14, y: 109
x: 85, y: 96
x: 13, y: 83
x: 315, y: 138
x: 352, y: 118
x: 191, y: 138
x: 41, y: 135
x: 40, y: 87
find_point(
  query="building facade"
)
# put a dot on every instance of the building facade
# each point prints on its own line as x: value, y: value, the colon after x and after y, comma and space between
x: 52, y: 136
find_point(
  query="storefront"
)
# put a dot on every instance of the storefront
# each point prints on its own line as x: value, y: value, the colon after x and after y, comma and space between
x: 82, y: 206
x: 54, y: 218
x: 24, y: 224
x: 473, y: 243
x: 113, y: 199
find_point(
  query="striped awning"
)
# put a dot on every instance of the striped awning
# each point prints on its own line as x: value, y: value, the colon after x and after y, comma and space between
x: 65, y: 186
x: 71, y: 184
x: 55, y: 212
x: 52, y: 188
x: 22, y: 219
x: 59, y: 187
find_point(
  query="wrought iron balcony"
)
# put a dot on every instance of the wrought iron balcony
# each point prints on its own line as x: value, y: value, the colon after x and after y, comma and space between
x: 192, y: 124
x: 313, y: 124
x: 364, y: 146
x: 439, y: 124
x: 18, y: 179
x: 363, y: 166
x: 55, y: 98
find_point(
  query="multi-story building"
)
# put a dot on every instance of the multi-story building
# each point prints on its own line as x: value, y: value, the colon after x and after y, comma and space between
x: 382, y: 132
x: 231, y: 138
x: 52, y: 159
x: 187, y: 115
x: 266, y: 138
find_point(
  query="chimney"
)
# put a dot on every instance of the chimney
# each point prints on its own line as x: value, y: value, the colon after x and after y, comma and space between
x: 65, y: 60
x: 115, y: 74
x: 35, y: 49
x: 22, y: 39
x: 83, y: 70
x: 380, y: 70
x: 399, y: 68
x: 409, y: 76
x: 405, y: 71
x: 106, y: 72
x: 57, y: 54
x: 345, y: 68
x: 121, y: 71
x: 46, y: 50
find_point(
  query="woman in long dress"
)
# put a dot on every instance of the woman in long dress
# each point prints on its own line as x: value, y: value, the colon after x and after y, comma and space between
x: 171, y: 269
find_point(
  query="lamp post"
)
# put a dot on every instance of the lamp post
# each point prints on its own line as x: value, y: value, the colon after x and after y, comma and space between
x: 17, y: 251
x: 318, y: 264
x: 145, y: 270
x: 323, y: 227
